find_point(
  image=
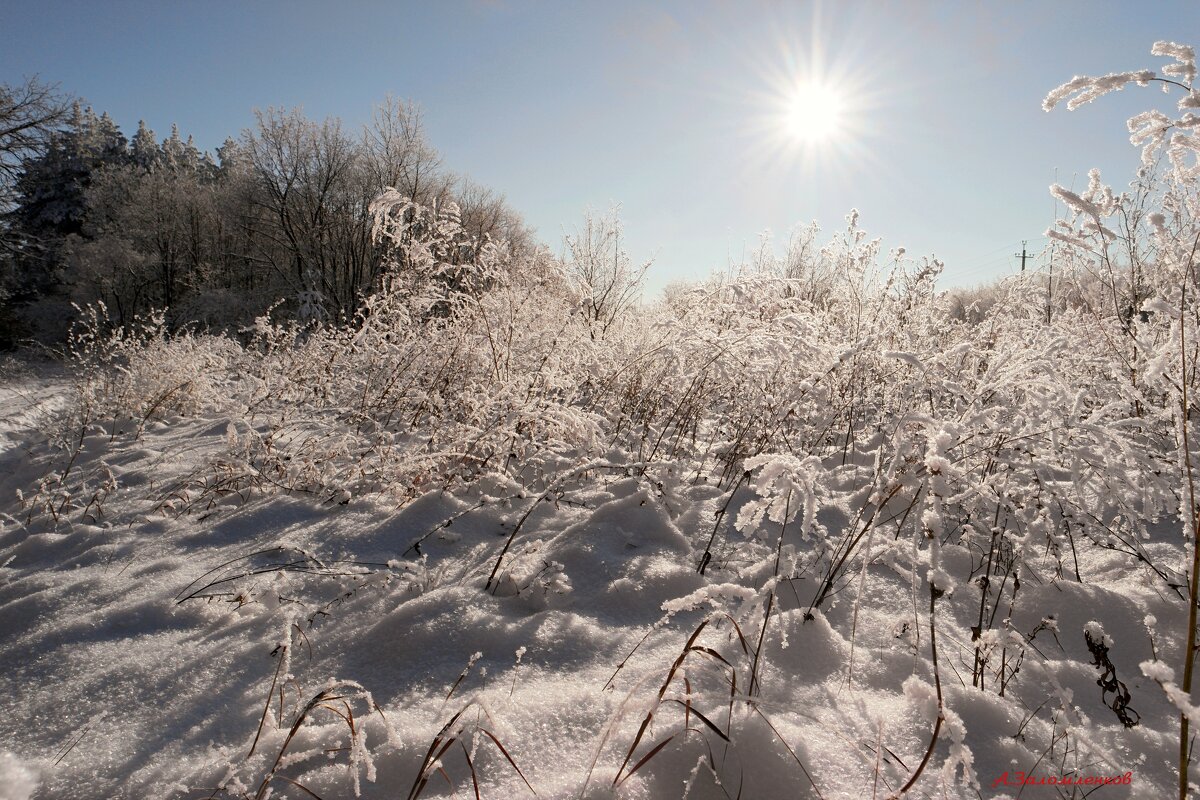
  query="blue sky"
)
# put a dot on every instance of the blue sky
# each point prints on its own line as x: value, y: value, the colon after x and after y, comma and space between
x: 669, y: 109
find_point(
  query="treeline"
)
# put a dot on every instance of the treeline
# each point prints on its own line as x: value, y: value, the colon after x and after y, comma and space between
x: 279, y: 213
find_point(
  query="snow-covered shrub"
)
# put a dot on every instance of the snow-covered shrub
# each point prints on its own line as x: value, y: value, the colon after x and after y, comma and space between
x: 1140, y: 249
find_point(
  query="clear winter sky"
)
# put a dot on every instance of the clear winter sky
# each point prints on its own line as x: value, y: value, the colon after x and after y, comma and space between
x: 671, y: 110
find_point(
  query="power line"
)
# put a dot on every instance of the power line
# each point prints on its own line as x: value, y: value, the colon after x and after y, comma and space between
x: 1023, y: 255
x: 994, y: 257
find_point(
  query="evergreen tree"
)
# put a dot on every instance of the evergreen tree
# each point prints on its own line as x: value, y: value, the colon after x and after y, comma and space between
x: 51, y: 196
x: 51, y: 189
x: 143, y: 150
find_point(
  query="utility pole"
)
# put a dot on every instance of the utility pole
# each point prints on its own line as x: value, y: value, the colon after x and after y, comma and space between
x: 1050, y: 286
x: 1023, y: 255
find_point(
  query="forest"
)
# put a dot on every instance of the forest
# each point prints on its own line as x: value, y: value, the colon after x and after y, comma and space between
x: 138, y: 224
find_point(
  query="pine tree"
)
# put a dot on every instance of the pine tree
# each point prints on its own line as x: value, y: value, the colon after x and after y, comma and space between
x: 144, y: 148
x: 51, y: 195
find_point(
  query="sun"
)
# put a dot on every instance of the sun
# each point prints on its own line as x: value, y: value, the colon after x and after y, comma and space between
x: 816, y: 103
x: 813, y: 113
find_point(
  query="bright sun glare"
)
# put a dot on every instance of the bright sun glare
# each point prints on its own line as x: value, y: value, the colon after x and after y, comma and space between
x: 813, y: 113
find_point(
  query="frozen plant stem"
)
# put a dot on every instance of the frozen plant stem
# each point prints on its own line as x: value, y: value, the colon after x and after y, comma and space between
x: 707, y: 558
x: 934, y: 594
x: 762, y: 635
x: 1193, y: 589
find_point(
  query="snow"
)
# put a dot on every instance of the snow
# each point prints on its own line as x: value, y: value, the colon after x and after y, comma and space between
x: 116, y: 688
x: 18, y: 781
x: 1086, y: 89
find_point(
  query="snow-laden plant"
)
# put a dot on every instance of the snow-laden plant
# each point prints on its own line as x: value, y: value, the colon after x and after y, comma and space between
x: 1143, y: 245
x: 138, y: 372
x: 497, y: 369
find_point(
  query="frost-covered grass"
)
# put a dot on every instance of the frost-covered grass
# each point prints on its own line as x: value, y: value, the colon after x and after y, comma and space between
x: 297, y: 545
x: 783, y: 534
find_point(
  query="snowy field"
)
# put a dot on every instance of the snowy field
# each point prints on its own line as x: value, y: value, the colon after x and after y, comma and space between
x: 234, y: 589
x: 142, y: 646
x: 792, y: 532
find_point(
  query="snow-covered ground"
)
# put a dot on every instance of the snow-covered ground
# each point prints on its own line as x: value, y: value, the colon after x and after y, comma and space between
x: 171, y: 640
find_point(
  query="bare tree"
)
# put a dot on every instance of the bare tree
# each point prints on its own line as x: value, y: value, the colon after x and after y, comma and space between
x: 305, y: 173
x: 29, y: 114
x: 399, y: 156
x: 601, y: 272
x: 486, y: 214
